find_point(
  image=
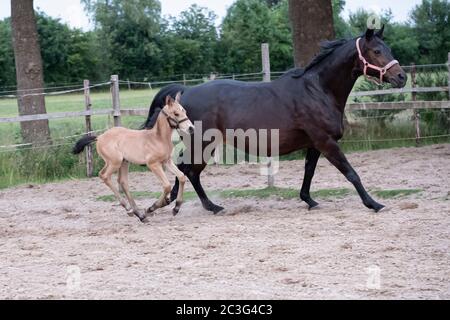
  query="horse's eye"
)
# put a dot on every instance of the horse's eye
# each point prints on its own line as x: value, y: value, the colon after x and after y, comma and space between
x: 377, y: 51
x: 176, y: 114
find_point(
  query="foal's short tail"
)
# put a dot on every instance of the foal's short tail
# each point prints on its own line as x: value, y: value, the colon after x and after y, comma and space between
x: 82, y: 143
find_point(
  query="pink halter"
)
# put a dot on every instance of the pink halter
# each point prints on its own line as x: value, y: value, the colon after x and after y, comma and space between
x: 366, y: 64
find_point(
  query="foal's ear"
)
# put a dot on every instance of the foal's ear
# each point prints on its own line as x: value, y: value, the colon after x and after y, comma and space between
x: 178, y: 97
x: 369, y: 33
x: 169, y: 100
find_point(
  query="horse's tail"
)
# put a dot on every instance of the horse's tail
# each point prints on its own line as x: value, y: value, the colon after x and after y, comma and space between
x: 82, y: 143
x: 159, y: 101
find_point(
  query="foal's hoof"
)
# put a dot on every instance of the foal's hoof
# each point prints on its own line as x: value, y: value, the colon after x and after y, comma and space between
x: 130, y: 213
x: 144, y: 220
x: 151, y: 209
x: 175, y: 211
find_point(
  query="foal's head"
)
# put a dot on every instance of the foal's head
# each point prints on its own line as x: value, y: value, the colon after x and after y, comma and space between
x: 176, y: 115
x: 379, y: 60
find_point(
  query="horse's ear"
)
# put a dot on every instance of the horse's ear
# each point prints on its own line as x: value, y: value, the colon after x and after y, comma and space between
x: 369, y: 33
x: 178, y: 97
x: 380, y: 32
x: 169, y: 100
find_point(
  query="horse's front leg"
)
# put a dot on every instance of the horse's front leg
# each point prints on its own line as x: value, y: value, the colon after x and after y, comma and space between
x: 164, y: 200
x: 312, y: 156
x: 181, y: 178
x: 331, y: 150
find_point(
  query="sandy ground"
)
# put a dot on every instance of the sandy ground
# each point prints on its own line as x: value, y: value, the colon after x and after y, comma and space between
x: 59, y: 242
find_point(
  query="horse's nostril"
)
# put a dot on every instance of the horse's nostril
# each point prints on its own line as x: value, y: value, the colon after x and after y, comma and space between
x: 401, y: 76
x: 191, y: 130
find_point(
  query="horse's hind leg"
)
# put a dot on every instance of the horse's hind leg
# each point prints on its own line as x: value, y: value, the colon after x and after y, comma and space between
x: 105, y: 175
x: 164, y: 200
x: 181, y: 179
x: 312, y: 156
x: 123, y: 182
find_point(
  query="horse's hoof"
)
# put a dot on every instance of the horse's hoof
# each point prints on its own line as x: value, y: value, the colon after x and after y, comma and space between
x: 175, y: 211
x: 312, y: 204
x: 382, y: 209
x: 130, y: 213
x: 216, y: 209
x: 150, y: 210
x: 378, y: 207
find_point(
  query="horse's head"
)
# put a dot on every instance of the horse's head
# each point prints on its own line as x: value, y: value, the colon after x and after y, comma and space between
x: 376, y: 60
x: 176, y: 114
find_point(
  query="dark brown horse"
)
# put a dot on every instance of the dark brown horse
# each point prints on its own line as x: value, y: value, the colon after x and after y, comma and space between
x: 306, y: 105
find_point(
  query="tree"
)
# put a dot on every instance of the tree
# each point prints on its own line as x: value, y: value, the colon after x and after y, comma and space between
x: 312, y: 22
x: 129, y: 32
x: 68, y: 54
x: 249, y: 23
x: 341, y: 27
x: 190, y: 44
x: 29, y: 70
x: 431, y: 22
x: 7, y: 71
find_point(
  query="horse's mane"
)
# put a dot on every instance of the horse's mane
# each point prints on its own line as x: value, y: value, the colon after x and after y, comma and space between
x: 326, y: 49
x: 159, y: 102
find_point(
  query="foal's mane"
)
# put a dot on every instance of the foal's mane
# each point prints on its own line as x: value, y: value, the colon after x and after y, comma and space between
x: 326, y: 49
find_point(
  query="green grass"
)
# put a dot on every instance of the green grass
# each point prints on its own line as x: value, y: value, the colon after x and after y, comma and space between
x: 396, y: 193
x: 283, y: 193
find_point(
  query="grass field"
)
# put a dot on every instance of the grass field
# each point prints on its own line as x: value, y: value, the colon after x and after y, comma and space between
x: 49, y: 164
x: 282, y: 193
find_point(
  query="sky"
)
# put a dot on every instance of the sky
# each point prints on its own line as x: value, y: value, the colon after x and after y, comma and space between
x: 71, y: 11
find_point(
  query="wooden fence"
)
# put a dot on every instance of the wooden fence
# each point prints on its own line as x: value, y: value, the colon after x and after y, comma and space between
x: 117, y: 112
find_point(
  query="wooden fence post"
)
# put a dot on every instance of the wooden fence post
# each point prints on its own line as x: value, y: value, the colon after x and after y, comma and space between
x: 89, y: 153
x: 265, y: 55
x: 115, y: 100
x: 414, y: 98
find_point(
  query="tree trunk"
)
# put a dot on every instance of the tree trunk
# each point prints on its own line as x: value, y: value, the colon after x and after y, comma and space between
x: 312, y: 22
x: 29, y: 71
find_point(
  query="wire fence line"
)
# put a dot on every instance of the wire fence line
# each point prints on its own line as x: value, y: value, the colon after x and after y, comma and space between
x: 207, y: 77
x: 21, y: 145
x: 55, y: 93
x: 398, y: 139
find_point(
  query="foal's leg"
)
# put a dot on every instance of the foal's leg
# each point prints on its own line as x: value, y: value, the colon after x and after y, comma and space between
x: 312, y: 156
x: 333, y: 153
x: 181, y: 178
x: 105, y: 175
x: 164, y: 200
x: 123, y: 182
